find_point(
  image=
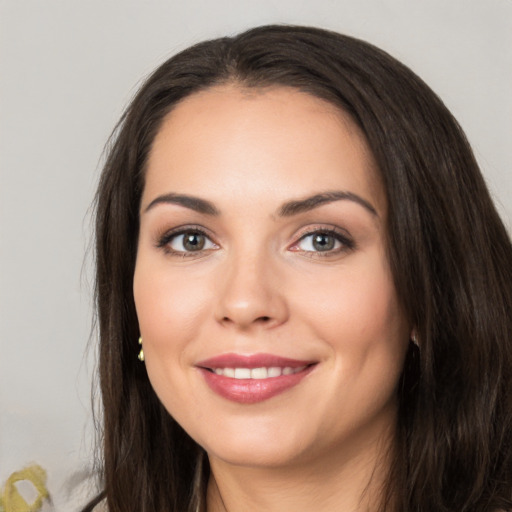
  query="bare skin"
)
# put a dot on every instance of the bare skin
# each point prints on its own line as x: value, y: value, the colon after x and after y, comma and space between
x: 352, y: 485
x: 263, y: 232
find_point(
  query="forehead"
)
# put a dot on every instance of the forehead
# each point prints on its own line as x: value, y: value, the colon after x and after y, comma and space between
x: 237, y: 134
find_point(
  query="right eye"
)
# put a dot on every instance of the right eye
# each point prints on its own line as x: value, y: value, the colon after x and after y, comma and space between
x: 187, y: 241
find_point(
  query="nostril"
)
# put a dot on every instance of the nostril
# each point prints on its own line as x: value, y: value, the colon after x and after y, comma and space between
x: 245, y: 320
x: 259, y: 319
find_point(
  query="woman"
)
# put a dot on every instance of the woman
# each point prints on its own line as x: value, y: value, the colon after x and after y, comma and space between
x: 294, y: 228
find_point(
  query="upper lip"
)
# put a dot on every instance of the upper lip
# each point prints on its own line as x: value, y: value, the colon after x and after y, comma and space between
x: 252, y: 361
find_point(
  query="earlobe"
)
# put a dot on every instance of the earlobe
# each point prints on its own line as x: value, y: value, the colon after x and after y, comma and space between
x: 414, y: 338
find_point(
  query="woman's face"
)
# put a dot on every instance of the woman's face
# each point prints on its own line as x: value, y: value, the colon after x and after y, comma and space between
x: 271, y: 325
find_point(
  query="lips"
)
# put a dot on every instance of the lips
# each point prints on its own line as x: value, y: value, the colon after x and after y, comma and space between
x: 254, y: 378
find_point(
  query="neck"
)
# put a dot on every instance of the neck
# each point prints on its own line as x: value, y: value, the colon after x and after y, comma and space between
x: 352, y: 482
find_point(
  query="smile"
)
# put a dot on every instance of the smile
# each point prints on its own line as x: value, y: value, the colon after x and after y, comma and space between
x: 257, y: 373
x: 255, y: 378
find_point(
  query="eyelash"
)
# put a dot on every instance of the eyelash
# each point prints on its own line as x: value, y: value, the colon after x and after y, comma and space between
x: 346, y: 243
x: 168, y: 237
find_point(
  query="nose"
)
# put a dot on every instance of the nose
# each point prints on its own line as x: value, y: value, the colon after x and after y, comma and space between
x: 251, y: 294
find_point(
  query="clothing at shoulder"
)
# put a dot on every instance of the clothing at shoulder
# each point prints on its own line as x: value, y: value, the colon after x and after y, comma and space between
x: 101, y: 507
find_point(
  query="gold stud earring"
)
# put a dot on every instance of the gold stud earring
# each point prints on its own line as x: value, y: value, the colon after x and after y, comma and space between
x: 141, y: 353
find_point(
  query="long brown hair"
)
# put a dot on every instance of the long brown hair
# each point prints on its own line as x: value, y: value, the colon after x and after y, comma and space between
x: 449, y: 252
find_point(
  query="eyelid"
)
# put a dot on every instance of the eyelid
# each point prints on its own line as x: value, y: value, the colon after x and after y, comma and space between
x: 165, y: 238
x: 341, y: 235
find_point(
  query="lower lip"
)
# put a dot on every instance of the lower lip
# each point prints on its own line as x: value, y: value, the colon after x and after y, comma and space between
x: 250, y: 391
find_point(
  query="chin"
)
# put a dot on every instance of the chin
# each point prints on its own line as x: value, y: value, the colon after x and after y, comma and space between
x: 256, y: 443
x: 253, y: 453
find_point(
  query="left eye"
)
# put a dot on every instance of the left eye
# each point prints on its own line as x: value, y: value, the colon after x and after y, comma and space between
x: 320, y: 242
x: 190, y: 241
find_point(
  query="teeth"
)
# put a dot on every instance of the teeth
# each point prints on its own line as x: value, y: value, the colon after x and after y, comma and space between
x: 242, y: 373
x: 274, y: 372
x: 228, y: 372
x: 257, y: 373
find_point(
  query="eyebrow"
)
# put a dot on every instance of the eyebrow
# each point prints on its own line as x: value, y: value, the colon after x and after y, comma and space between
x: 288, y: 209
x: 309, y: 203
x: 193, y: 203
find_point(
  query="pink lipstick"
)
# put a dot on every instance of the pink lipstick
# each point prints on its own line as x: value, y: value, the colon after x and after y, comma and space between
x: 254, y: 378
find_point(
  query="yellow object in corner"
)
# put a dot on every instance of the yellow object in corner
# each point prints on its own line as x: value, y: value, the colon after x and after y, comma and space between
x: 12, y: 501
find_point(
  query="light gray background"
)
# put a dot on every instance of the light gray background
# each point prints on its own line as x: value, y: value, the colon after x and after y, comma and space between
x: 67, y: 69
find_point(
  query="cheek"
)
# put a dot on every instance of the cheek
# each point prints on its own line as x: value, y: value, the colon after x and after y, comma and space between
x: 361, y: 300
x: 169, y: 305
x: 171, y: 310
x: 357, y: 314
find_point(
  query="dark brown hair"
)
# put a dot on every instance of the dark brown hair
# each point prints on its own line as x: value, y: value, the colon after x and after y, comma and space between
x: 449, y: 252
